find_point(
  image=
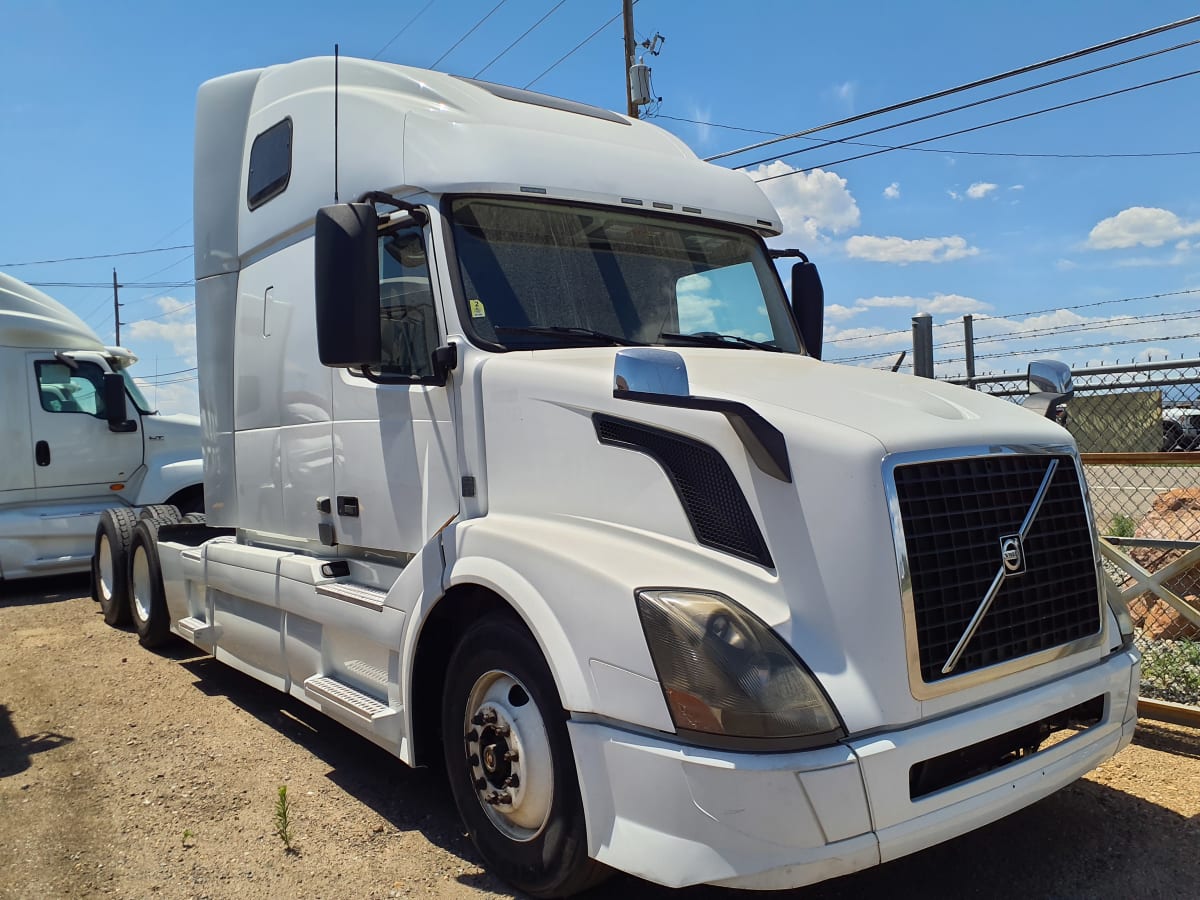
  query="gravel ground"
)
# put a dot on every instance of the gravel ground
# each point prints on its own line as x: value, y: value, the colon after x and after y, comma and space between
x: 129, y: 773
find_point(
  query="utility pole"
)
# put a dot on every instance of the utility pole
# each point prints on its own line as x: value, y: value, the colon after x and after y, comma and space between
x: 116, y: 308
x: 627, y: 11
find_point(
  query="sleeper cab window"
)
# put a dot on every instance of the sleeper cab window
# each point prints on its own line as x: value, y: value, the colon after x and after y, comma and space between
x: 270, y: 164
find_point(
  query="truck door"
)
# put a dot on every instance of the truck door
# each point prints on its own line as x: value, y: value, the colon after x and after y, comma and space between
x: 396, y: 473
x: 73, y: 451
x: 16, y: 472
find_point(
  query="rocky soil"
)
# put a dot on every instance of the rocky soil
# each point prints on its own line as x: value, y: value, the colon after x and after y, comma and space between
x: 127, y: 773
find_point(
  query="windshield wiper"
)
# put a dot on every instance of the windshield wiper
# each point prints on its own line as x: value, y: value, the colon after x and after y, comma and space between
x: 570, y: 331
x: 714, y: 339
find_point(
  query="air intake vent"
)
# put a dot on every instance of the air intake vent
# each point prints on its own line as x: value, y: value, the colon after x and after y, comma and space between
x: 956, y: 516
x: 711, y: 497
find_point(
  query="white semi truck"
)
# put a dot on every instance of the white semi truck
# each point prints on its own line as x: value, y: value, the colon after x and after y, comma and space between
x: 77, y: 438
x: 525, y: 462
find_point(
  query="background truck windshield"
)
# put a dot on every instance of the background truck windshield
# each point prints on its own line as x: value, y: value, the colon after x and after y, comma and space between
x: 542, y: 274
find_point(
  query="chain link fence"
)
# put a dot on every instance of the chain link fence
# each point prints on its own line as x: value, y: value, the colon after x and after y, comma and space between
x: 1138, y: 430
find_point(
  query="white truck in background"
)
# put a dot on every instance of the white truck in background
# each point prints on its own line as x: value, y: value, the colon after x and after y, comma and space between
x: 524, y: 461
x: 77, y: 438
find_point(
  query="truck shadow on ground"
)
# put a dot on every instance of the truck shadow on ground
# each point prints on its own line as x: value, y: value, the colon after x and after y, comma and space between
x: 410, y: 799
x: 1070, y: 844
x: 16, y: 752
x: 36, y: 591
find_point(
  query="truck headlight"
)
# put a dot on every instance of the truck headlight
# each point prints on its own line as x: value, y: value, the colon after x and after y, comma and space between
x: 728, y: 679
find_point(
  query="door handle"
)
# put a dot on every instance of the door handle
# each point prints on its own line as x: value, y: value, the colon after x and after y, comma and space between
x: 41, y: 453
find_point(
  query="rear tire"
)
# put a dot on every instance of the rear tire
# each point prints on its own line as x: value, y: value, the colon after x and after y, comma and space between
x: 147, y: 597
x: 161, y: 513
x: 513, y: 776
x: 110, y: 564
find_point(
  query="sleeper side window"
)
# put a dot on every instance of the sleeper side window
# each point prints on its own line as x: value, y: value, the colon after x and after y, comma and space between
x: 408, y: 324
x: 270, y: 164
x: 66, y: 390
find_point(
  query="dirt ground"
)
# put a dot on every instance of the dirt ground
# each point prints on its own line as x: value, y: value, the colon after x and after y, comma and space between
x: 135, y: 774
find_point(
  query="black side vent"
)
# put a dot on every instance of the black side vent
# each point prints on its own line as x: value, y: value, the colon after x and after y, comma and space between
x: 711, y: 497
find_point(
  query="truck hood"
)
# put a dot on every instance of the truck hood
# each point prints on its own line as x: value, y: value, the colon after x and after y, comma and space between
x: 175, y: 431
x: 902, y: 413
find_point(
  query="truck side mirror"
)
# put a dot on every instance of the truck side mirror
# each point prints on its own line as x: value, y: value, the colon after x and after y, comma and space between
x: 808, y: 305
x: 1050, y: 387
x: 346, y: 278
x: 115, y: 408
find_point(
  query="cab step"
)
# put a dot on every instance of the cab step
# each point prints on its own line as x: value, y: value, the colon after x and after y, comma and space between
x: 196, y: 630
x: 358, y: 594
x: 330, y: 690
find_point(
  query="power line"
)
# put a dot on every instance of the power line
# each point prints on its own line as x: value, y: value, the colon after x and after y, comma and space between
x: 402, y: 30
x: 168, y: 374
x: 46, y: 262
x: 946, y: 152
x: 1029, y: 312
x: 945, y: 112
x: 937, y: 95
x: 108, y: 284
x: 470, y: 32
x: 1017, y: 118
x: 575, y: 49
x: 524, y: 34
x: 1145, y: 340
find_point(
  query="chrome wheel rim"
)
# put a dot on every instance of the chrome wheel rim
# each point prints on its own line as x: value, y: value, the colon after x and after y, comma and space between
x: 105, y: 567
x: 508, y: 755
x: 140, y: 586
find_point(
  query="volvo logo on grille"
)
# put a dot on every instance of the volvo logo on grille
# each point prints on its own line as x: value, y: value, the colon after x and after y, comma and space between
x: 1012, y: 553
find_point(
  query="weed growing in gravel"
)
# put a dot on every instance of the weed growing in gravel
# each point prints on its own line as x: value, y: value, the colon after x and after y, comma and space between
x: 1171, y: 670
x: 189, y: 838
x: 283, y: 818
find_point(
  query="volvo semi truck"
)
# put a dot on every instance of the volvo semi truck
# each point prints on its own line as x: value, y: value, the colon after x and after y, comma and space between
x: 522, y: 461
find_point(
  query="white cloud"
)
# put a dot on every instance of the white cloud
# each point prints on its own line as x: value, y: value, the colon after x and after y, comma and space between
x: 1016, y: 187
x: 812, y: 204
x: 835, y: 312
x: 702, y: 116
x: 1065, y: 265
x: 938, y: 304
x: 905, y: 250
x: 176, y: 325
x: 843, y: 93
x: 954, y: 195
x: 892, y: 191
x: 980, y: 189
x: 1146, y: 226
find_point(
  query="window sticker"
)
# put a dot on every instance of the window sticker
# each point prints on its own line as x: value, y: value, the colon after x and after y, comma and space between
x: 477, y: 310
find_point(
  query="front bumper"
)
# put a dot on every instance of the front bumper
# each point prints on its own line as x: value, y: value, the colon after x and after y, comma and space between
x: 681, y: 815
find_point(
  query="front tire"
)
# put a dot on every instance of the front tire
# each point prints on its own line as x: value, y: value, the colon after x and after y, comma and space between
x: 510, y: 765
x: 110, y: 564
x: 147, y: 598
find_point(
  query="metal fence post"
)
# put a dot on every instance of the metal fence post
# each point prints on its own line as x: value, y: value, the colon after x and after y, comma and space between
x: 922, y: 333
x: 969, y: 341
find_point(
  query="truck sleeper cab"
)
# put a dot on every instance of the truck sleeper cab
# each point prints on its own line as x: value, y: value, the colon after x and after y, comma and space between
x: 524, y: 459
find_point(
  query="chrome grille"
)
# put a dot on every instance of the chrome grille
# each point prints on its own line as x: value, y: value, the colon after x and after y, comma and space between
x: 954, y: 514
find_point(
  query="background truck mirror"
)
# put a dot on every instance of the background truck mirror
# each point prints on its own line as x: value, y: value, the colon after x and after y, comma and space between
x: 347, y: 285
x: 808, y: 305
x: 115, y: 408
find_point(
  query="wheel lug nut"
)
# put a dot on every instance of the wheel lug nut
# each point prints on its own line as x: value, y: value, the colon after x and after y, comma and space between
x: 502, y: 798
x: 472, y: 736
x: 510, y: 756
x: 501, y: 730
x: 480, y: 784
x: 512, y: 781
x: 473, y: 759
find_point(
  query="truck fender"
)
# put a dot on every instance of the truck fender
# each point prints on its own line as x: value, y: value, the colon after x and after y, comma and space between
x: 161, y: 482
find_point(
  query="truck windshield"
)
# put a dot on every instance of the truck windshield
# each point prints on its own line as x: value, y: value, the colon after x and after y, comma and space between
x: 139, y: 400
x: 540, y: 275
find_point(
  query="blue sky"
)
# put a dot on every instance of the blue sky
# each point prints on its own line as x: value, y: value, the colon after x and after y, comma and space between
x: 96, y: 152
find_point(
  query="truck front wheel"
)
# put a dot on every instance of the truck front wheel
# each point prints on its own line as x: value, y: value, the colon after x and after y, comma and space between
x: 110, y: 564
x: 147, y: 599
x: 509, y: 760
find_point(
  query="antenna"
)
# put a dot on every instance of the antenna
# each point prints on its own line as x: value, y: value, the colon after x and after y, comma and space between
x: 336, y: 59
